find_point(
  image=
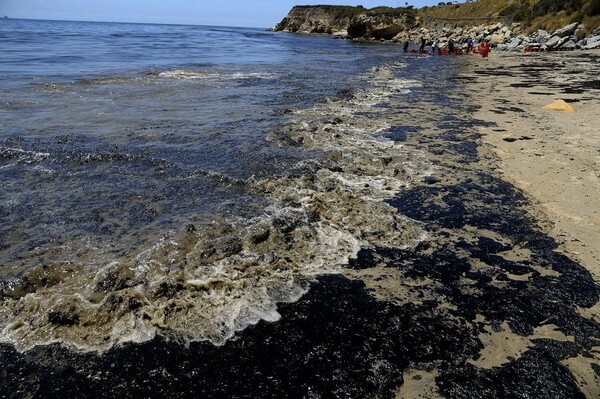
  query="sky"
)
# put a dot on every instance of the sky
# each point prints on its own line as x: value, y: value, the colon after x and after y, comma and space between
x: 243, y: 13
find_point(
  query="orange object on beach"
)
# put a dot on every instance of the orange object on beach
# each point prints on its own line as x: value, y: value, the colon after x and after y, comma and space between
x: 484, y: 49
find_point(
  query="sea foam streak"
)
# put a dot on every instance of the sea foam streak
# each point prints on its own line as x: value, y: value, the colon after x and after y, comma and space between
x: 211, y: 280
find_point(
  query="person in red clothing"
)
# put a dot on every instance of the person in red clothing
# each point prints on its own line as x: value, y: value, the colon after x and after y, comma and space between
x: 484, y: 49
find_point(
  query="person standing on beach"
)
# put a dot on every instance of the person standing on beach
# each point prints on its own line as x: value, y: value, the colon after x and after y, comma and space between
x: 434, y: 46
x: 423, y: 43
x: 469, y: 45
x: 484, y: 49
x: 450, y: 46
x: 406, y: 46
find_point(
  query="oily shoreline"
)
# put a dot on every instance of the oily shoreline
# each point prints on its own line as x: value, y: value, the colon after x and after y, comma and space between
x: 551, y: 155
x: 441, y: 313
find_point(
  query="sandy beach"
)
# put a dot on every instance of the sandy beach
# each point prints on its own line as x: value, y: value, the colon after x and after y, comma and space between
x: 552, y: 155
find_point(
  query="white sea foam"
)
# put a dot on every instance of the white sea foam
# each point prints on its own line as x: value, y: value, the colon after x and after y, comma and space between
x: 44, y: 170
x: 22, y: 156
x: 188, y: 74
x: 214, y: 75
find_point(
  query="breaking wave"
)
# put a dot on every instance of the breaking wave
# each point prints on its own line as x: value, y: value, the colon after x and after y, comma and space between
x: 18, y: 155
x: 212, y: 279
x: 212, y: 75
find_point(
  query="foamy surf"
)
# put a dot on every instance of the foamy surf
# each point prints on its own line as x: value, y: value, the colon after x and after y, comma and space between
x: 187, y: 74
x: 212, y: 75
x: 18, y: 155
x: 215, y: 278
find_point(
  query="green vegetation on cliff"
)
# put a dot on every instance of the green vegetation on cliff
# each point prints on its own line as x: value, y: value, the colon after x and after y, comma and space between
x: 337, y: 12
x: 533, y: 14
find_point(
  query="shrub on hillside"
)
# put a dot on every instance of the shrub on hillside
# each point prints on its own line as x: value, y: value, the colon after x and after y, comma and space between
x: 544, y: 7
x: 519, y: 11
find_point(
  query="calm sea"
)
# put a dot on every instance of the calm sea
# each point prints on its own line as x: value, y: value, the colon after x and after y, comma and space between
x: 182, y: 180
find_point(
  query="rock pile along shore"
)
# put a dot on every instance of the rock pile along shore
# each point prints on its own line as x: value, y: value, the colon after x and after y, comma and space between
x: 399, y: 25
x: 508, y: 37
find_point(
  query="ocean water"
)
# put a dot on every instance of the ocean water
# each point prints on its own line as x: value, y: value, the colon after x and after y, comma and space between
x: 183, y: 180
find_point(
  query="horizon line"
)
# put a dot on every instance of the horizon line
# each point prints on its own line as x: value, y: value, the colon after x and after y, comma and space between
x: 128, y: 22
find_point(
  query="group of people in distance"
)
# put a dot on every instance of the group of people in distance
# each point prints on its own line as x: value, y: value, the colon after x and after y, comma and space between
x: 483, y: 49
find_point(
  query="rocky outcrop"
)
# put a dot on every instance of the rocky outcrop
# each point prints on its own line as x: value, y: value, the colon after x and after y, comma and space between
x: 592, y: 42
x: 566, y: 38
x: 318, y: 19
x: 400, y: 25
x: 351, y: 22
x: 505, y: 37
x: 386, y: 26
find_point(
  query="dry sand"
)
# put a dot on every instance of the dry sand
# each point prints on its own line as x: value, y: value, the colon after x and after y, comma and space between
x: 554, y: 157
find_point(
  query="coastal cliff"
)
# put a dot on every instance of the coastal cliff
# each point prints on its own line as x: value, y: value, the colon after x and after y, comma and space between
x: 318, y: 19
x: 404, y: 24
x: 352, y: 22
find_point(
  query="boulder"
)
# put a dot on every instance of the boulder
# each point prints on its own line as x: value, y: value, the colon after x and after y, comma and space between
x: 562, y: 42
x: 592, y: 42
x: 342, y: 34
x: 513, y: 44
x: 567, y: 30
x: 569, y: 45
x: 553, y: 41
x: 496, y: 38
x: 540, y: 35
x: 495, y: 28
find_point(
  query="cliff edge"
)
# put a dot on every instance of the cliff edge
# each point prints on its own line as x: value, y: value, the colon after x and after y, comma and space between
x: 352, y: 22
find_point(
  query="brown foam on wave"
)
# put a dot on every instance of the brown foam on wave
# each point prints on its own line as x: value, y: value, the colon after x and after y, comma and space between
x: 210, y: 280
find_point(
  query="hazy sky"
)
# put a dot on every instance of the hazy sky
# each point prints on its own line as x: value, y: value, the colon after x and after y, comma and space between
x: 245, y: 13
